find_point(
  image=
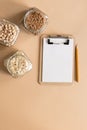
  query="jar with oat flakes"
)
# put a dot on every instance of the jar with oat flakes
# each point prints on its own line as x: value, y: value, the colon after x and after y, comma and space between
x: 18, y: 64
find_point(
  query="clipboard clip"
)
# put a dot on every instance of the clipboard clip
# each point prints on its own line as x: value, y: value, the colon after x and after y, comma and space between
x: 65, y: 43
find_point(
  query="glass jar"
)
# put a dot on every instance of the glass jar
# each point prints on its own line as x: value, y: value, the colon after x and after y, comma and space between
x: 8, y: 32
x: 18, y: 64
x: 35, y: 21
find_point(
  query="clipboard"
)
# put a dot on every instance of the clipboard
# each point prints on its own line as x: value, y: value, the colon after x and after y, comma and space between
x: 56, y: 59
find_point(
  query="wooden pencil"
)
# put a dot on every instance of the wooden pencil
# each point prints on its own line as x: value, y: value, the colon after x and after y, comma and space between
x: 77, y: 63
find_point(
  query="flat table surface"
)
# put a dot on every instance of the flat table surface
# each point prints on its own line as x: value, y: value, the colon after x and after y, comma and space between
x: 24, y: 103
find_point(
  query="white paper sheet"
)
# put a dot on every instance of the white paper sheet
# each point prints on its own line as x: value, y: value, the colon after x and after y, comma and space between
x: 57, y: 60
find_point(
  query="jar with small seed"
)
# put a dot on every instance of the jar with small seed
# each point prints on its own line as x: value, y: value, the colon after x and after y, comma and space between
x: 8, y: 32
x: 35, y: 21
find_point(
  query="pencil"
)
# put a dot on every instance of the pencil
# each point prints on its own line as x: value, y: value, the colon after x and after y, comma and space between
x: 77, y: 63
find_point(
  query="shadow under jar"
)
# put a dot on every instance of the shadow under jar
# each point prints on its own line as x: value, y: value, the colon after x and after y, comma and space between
x: 35, y: 21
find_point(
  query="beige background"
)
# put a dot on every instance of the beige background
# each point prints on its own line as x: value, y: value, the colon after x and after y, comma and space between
x: 26, y: 105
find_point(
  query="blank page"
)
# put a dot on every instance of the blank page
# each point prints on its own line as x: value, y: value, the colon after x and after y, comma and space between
x: 57, y: 60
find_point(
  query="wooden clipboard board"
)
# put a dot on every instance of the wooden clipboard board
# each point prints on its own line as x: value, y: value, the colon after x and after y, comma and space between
x: 41, y: 57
